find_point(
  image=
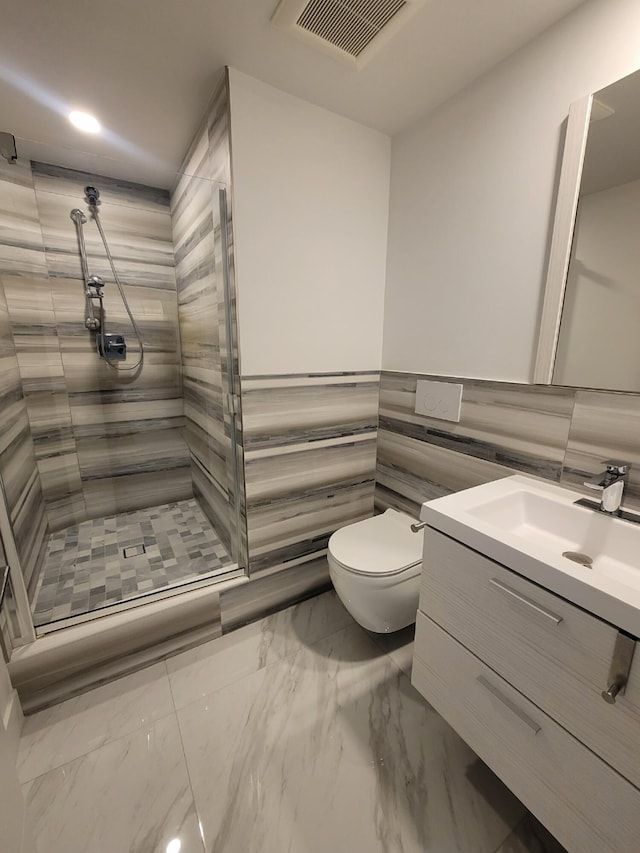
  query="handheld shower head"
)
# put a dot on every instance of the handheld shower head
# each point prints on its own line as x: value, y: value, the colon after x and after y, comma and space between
x: 92, y: 195
x: 78, y: 216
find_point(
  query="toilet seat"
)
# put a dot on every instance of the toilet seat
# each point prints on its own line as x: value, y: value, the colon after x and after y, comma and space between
x: 380, y: 546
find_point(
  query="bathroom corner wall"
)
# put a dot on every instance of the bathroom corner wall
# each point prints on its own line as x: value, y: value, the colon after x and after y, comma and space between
x: 310, y: 190
x: 555, y: 433
x: 22, y: 264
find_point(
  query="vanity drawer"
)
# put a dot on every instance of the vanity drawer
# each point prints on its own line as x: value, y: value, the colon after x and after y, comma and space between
x: 588, y: 806
x: 552, y: 651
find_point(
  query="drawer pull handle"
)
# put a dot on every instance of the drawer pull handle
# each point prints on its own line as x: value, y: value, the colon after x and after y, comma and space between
x: 611, y: 693
x: 523, y: 598
x: 524, y: 718
x: 620, y: 667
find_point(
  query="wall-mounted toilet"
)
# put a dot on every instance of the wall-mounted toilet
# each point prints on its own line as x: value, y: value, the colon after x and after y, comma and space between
x: 375, y: 567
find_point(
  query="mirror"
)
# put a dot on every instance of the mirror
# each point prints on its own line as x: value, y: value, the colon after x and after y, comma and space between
x: 589, y: 331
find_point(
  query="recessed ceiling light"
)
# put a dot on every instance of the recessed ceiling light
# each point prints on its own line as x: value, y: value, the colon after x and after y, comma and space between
x: 84, y: 121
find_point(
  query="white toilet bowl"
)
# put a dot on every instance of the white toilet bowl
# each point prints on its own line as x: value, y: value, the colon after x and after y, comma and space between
x: 375, y: 567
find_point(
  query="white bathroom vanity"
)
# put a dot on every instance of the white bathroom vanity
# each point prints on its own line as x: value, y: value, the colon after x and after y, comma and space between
x: 529, y: 654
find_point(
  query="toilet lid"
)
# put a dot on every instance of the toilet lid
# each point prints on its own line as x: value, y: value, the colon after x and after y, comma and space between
x: 382, y: 545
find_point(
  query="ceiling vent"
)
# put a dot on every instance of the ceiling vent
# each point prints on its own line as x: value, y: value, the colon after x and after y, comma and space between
x: 350, y: 30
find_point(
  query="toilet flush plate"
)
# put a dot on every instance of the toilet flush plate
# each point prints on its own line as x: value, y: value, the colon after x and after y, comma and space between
x: 438, y: 399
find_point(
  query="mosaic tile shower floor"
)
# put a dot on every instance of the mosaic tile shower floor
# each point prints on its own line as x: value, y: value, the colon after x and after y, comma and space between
x: 85, y: 567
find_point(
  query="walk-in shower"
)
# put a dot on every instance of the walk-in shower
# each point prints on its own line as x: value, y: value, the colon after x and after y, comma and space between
x: 111, y: 346
x: 124, y: 377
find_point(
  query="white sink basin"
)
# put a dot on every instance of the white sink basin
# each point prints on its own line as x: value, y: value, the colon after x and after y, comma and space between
x: 529, y: 525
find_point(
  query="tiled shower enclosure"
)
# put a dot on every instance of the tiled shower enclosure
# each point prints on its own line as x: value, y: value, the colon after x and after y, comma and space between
x: 118, y: 484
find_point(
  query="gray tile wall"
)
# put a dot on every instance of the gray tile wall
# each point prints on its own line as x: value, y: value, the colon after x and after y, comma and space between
x: 104, y: 443
x: 559, y: 434
x: 195, y: 209
x: 21, y: 265
x: 309, y: 451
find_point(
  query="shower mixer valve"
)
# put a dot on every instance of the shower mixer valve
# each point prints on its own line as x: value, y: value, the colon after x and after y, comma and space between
x: 115, y: 347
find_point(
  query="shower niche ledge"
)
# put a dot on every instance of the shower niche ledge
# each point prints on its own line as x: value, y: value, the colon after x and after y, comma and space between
x: 530, y: 656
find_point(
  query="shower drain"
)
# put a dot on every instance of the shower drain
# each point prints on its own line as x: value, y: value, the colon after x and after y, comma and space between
x: 134, y: 550
x: 583, y: 559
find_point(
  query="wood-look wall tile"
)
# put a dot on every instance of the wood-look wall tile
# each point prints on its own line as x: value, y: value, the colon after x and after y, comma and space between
x: 214, y: 499
x: 605, y: 425
x: 524, y: 427
x: 18, y: 467
x: 136, y: 453
x: 139, y: 241
x: 21, y: 247
x: 108, y: 409
x: 34, y: 330
x: 112, y: 495
x: 72, y: 182
x: 306, y: 468
x: 410, y: 471
x: 201, y: 318
x: 287, y: 410
x: 219, y: 133
x: 268, y: 594
x: 284, y: 531
x: 309, y: 461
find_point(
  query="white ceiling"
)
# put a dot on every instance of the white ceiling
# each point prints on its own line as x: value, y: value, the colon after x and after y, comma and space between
x: 146, y: 67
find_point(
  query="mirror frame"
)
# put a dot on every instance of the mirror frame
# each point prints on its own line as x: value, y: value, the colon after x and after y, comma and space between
x: 562, y: 238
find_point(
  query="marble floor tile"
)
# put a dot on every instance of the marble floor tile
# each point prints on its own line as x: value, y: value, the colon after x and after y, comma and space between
x: 57, y: 735
x: 310, y: 739
x: 210, y: 667
x: 333, y: 750
x: 129, y: 796
x: 399, y: 646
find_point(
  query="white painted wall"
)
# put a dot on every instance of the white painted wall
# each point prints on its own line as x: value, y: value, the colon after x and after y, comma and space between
x: 311, y: 194
x: 472, y: 195
x: 599, y: 345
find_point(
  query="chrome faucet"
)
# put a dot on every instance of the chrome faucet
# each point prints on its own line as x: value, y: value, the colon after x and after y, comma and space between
x: 610, y: 483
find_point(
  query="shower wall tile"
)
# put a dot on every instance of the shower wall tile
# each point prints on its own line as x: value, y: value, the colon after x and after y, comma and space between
x: 18, y: 469
x: 605, y: 425
x: 134, y: 453
x: 132, y: 491
x: 58, y: 179
x: 21, y: 247
x: 504, y: 429
x: 195, y: 209
x: 95, y: 413
x: 37, y: 344
x: 309, y: 452
x: 138, y: 239
x: 218, y: 127
x: 21, y: 260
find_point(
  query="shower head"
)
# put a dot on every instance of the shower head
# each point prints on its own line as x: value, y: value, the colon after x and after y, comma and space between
x: 92, y: 195
x: 78, y: 216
